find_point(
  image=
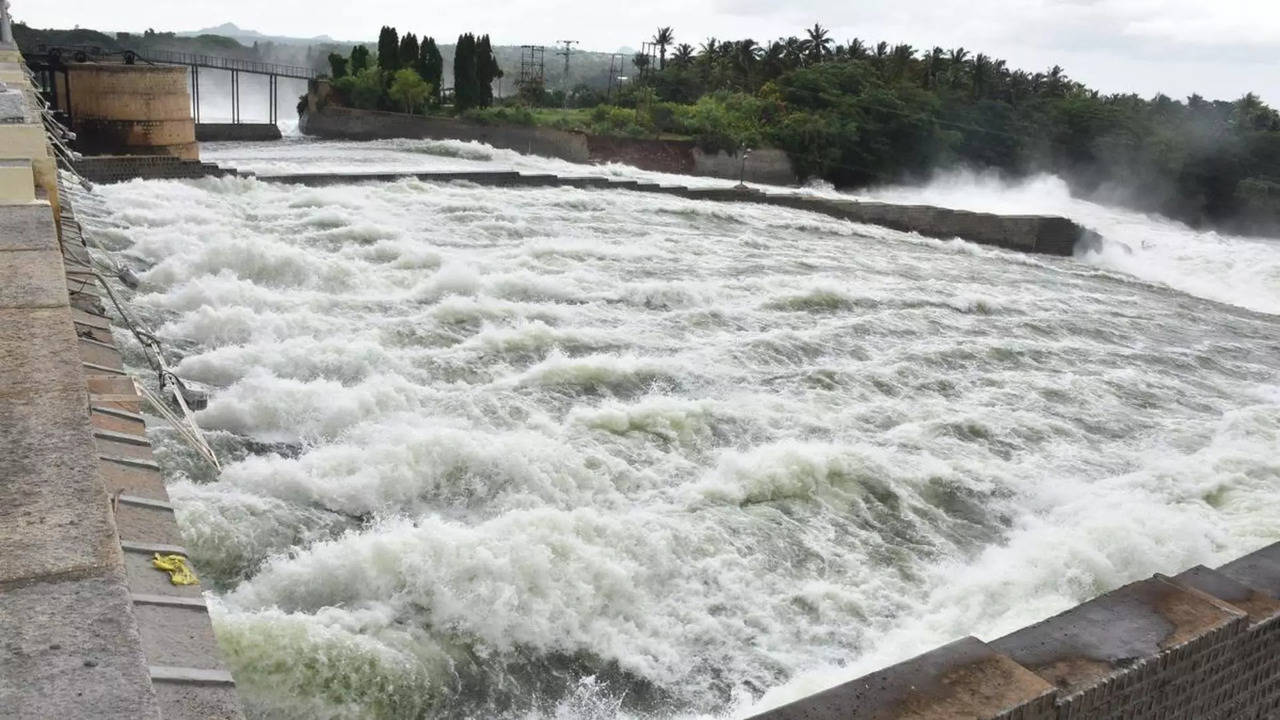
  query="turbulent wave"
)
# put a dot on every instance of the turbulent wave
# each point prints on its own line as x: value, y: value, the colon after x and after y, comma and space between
x: 1241, y: 271
x: 558, y: 453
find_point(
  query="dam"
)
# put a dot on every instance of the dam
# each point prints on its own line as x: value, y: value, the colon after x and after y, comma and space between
x: 521, y: 444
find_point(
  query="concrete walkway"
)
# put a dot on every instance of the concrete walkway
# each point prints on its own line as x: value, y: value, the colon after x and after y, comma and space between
x: 69, y: 643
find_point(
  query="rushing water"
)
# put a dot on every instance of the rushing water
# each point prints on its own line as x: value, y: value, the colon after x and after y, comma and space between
x: 561, y: 453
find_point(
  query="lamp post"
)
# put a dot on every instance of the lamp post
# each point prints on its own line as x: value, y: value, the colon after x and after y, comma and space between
x: 742, y: 169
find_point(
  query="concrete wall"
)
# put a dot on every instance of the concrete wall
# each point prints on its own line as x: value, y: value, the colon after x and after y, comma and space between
x: 350, y: 124
x: 242, y: 132
x: 122, y: 109
x: 1203, y: 645
x: 324, y: 119
x: 769, y: 166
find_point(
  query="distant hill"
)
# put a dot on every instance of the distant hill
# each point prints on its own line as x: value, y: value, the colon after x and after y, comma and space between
x: 249, y: 37
x: 230, y: 40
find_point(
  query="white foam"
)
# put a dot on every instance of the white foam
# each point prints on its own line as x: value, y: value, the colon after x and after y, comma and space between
x: 527, y: 453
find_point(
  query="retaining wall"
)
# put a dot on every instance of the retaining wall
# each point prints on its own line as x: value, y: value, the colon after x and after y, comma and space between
x: 350, y: 124
x: 1202, y: 645
x: 324, y: 119
x: 243, y: 132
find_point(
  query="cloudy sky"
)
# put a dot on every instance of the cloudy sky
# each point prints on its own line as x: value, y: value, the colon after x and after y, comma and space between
x: 1219, y: 48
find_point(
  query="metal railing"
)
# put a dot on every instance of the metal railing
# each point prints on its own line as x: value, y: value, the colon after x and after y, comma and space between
x: 225, y: 63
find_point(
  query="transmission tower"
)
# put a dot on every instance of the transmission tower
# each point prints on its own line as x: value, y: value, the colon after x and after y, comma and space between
x: 617, y: 70
x: 568, y: 50
x: 533, y: 68
x: 649, y: 64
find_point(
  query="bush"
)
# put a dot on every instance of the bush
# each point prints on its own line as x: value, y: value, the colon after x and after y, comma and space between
x: 409, y: 91
x: 362, y: 90
x: 500, y: 116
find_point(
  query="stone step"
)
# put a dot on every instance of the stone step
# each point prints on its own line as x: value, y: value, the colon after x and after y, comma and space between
x: 133, y: 480
x: 100, y: 353
x: 117, y: 420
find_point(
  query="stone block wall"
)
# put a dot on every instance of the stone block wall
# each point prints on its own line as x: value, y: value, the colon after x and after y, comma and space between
x: 123, y: 109
x: 1202, y: 645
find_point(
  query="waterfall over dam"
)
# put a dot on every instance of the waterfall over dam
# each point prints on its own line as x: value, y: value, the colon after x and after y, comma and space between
x: 556, y: 452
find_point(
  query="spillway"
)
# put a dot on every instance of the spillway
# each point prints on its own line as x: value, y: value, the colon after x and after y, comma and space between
x: 570, y: 453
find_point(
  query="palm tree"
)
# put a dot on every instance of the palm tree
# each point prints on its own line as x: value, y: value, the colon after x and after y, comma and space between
x: 1056, y: 81
x: 683, y: 55
x: 933, y: 67
x: 956, y: 59
x: 662, y: 39
x: 901, y: 55
x: 794, y: 52
x: 981, y: 75
x: 774, y: 59
x: 856, y: 49
x: 745, y: 55
x: 708, y: 49
x: 817, y: 45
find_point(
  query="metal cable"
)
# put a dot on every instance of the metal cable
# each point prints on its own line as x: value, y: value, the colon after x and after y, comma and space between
x: 153, y: 351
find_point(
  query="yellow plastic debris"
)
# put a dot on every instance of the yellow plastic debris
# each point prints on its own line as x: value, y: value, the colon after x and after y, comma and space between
x: 180, y: 572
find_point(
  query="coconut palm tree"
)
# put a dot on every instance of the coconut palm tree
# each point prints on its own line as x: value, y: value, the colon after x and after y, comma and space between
x: 818, y: 43
x: 957, y: 61
x: 900, y: 58
x: 934, y: 62
x: 794, y: 53
x: 746, y: 53
x: 774, y: 60
x: 662, y: 39
x: 1056, y: 82
x: 683, y: 55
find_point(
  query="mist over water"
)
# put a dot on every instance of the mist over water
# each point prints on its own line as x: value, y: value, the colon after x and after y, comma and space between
x: 562, y: 453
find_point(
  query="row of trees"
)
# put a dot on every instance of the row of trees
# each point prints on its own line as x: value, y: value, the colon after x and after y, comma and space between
x: 405, y: 75
x: 474, y: 70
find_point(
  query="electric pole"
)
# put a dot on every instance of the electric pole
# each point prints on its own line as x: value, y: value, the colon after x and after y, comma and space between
x: 568, y: 49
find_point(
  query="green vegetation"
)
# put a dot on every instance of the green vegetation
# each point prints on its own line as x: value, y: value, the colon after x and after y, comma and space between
x: 409, y: 91
x: 404, y: 76
x: 857, y: 114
